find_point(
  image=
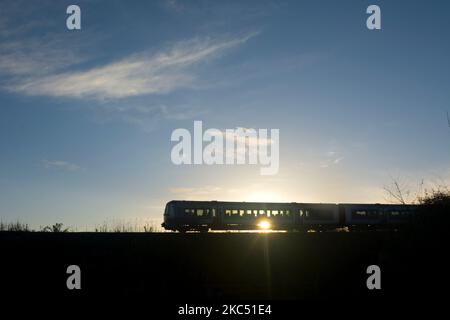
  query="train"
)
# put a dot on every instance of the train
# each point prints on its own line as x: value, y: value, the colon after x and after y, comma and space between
x: 203, y: 216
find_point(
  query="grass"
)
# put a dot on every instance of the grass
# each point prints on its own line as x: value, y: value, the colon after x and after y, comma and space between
x: 14, y: 226
x: 126, y: 226
x: 115, y: 226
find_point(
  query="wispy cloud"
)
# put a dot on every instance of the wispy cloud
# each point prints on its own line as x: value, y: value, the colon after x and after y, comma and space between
x: 206, y: 192
x: 31, y: 46
x: 246, y: 137
x: 244, y: 140
x: 138, y: 74
x: 147, y: 116
x: 331, y: 158
x: 60, y: 165
x: 174, y: 5
x: 32, y: 59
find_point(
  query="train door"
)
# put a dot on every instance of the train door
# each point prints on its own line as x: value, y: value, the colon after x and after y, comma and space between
x: 341, y: 215
x: 216, y: 215
x: 297, y: 213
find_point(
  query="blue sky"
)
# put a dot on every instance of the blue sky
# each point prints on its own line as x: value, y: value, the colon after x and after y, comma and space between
x: 86, y: 116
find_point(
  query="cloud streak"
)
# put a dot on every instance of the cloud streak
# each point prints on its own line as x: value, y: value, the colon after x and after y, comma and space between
x: 61, y: 165
x: 139, y: 74
x: 33, y: 58
x: 332, y: 158
x: 31, y: 46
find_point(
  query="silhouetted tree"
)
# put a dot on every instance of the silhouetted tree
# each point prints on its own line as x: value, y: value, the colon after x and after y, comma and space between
x: 400, y: 193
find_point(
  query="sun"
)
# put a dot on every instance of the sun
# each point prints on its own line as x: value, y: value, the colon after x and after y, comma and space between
x: 264, y: 225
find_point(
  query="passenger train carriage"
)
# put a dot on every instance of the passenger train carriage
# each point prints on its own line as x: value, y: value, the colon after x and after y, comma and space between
x: 216, y: 215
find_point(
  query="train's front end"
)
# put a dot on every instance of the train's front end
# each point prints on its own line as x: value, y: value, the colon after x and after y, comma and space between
x: 188, y: 215
x: 169, y: 222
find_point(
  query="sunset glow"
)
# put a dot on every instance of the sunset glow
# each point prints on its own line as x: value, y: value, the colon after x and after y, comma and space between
x: 264, y: 196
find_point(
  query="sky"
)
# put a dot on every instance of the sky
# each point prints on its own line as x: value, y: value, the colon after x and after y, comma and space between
x: 86, y: 115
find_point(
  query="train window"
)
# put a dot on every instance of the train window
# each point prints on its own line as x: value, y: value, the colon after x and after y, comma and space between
x: 241, y: 212
x: 262, y: 212
x: 249, y: 212
x: 366, y: 214
x: 255, y: 212
x: 318, y: 214
x: 374, y: 213
x: 234, y: 212
x: 213, y: 212
x: 395, y: 213
x: 274, y: 213
x: 228, y: 213
x: 284, y: 213
x: 200, y: 212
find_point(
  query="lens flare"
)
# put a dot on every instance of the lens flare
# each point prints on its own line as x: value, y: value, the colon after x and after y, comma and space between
x: 264, y: 225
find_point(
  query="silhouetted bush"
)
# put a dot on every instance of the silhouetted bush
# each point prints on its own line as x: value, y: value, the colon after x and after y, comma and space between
x: 57, y: 227
x: 434, y: 211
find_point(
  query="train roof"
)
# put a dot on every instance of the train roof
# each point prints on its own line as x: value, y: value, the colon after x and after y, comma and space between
x: 285, y: 203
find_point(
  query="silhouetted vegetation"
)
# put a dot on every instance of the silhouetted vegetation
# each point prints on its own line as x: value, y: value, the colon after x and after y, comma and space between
x: 57, y: 227
x: 122, y: 226
x: 434, y: 210
x: 113, y: 227
x: 433, y: 215
x: 400, y: 192
x: 14, y: 226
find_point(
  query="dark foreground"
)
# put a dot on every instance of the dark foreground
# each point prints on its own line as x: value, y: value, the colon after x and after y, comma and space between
x: 220, y: 267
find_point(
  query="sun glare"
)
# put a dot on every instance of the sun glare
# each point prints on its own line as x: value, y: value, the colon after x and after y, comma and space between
x: 264, y: 225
